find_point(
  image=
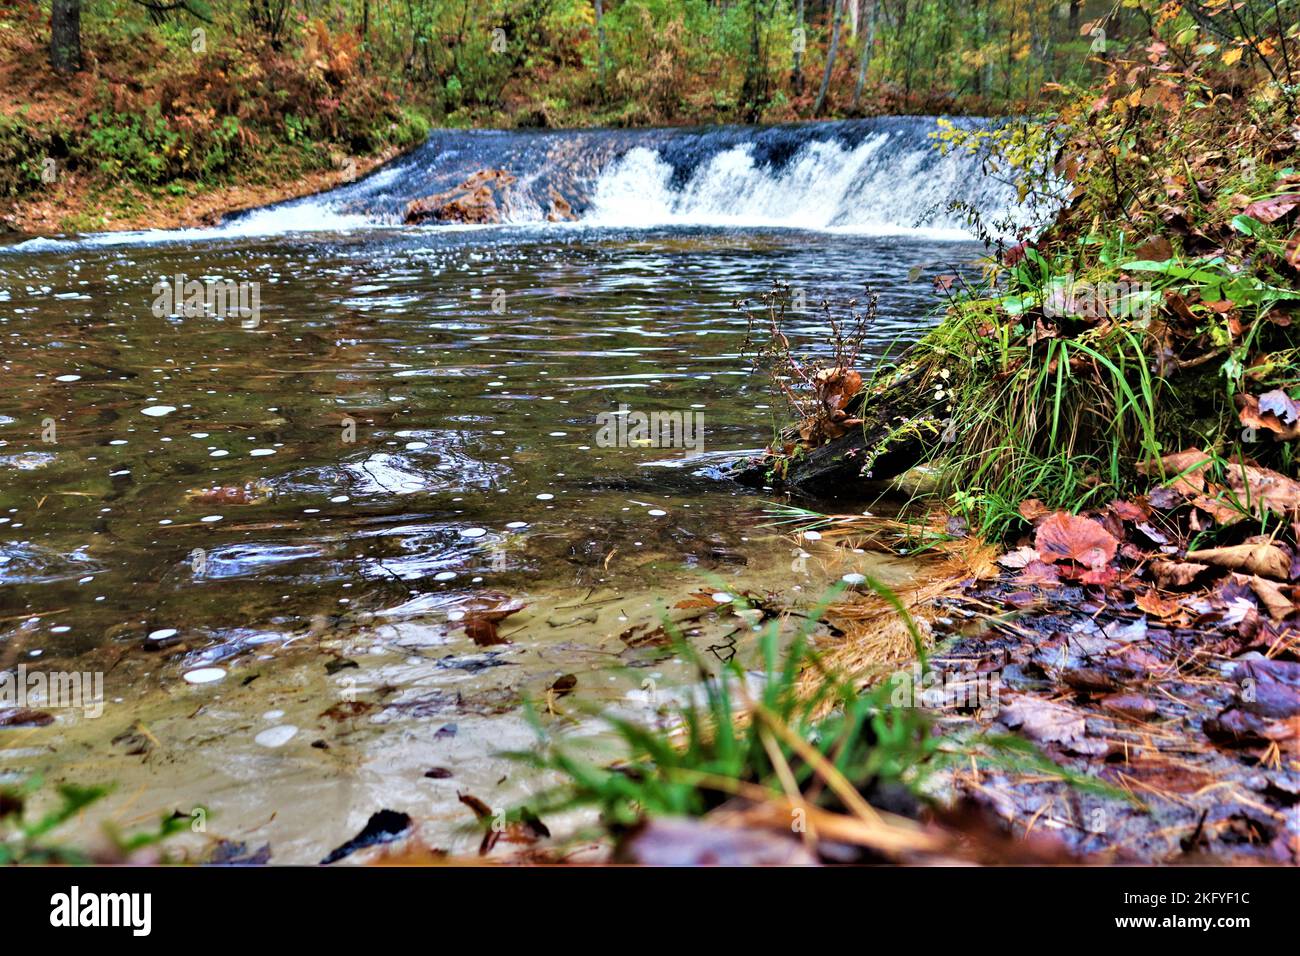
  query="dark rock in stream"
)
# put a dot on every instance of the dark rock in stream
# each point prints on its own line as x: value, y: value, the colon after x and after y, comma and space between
x: 382, y: 827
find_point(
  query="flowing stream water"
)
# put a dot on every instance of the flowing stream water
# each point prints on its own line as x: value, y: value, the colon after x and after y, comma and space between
x: 409, y: 437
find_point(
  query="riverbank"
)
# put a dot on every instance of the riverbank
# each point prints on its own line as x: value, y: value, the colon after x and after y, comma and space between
x: 175, y: 116
x: 1112, y: 405
x: 79, y: 203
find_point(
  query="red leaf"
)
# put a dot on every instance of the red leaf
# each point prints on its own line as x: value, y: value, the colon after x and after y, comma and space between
x: 1271, y: 210
x: 1070, y: 537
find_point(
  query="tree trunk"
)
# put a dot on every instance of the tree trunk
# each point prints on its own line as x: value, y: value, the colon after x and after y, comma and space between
x: 754, y: 92
x: 864, y: 59
x: 830, y: 57
x: 796, y: 71
x: 600, y: 38
x: 65, y: 35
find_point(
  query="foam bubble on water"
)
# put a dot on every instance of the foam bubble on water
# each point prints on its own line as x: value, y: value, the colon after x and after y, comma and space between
x: 276, y: 736
x: 204, y: 675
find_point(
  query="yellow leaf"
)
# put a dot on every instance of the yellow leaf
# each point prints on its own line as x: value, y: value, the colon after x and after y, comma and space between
x: 1231, y: 56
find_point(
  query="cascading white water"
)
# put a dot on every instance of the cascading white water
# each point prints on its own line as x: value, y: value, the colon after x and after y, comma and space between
x: 825, y: 186
x: 872, y: 177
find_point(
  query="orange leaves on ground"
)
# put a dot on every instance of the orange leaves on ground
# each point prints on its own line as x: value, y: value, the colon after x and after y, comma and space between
x: 700, y: 599
x: 1158, y: 605
x: 1248, y: 488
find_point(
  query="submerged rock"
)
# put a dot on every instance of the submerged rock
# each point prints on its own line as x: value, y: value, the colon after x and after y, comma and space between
x: 479, y: 200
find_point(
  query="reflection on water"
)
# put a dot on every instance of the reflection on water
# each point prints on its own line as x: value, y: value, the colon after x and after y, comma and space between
x: 395, y: 449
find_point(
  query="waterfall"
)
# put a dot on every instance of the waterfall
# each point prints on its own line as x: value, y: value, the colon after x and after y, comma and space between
x: 880, y: 176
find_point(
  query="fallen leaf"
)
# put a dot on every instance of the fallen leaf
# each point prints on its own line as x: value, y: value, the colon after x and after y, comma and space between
x: 1273, y: 208
x: 1153, y: 535
x: 1238, y: 728
x: 1221, y: 508
x: 1044, y: 720
x: 1131, y: 705
x: 481, y: 810
x: 345, y: 710
x: 1019, y: 558
x: 481, y: 623
x: 700, y: 599
x: 1270, y: 594
x: 1263, y: 488
x: 227, y: 495
x: 1157, y: 605
x: 1266, y: 559
x: 835, y: 386
x: 1031, y: 509
x: 1274, y: 411
x: 1129, y: 510
x: 685, y: 842
x: 1270, y: 688
x: 1103, y: 577
x: 1281, y: 404
x: 564, y: 685
x: 1039, y: 572
x: 1188, y: 465
x: 1071, y: 537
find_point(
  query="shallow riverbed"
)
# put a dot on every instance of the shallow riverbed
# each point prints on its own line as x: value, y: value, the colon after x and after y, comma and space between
x: 413, y: 438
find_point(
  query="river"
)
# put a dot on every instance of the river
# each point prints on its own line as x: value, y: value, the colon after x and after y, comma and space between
x: 288, y: 538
